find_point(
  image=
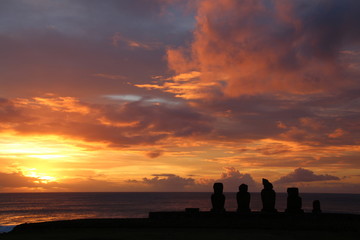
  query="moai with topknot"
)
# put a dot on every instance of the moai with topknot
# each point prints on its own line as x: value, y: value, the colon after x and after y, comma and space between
x: 268, y: 197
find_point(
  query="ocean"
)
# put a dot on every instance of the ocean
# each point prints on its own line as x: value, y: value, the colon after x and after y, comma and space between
x: 17, y: 208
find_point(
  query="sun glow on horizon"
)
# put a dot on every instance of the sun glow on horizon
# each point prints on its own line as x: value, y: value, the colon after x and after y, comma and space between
x: 42, y: 147
x: 41, y: 177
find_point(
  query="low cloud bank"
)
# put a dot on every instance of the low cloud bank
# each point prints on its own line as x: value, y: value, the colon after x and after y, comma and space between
x: 304, y: 175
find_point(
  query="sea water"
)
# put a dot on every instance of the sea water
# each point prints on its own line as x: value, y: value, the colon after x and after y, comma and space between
x: 17, y: 208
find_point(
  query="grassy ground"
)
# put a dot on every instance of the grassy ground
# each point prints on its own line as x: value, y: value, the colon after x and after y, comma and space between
x: 177, y: 234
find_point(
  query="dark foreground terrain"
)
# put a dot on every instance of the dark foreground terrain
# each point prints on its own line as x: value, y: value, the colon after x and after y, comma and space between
x: 182, y: 225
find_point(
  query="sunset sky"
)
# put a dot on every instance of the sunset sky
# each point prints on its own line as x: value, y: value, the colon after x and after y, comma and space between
x: 174, y: 95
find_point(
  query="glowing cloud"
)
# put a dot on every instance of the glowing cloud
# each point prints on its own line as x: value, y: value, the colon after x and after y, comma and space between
x: 271, y: 46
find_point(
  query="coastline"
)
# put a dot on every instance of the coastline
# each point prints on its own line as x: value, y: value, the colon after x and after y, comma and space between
x: 197, y: 225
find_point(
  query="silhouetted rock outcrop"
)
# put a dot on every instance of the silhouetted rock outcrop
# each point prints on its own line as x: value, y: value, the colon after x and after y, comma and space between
x: 268, y: 197
x: 243, y: 199
x: 316, y: 207
x: 218, y: 198
x: 294, y: 202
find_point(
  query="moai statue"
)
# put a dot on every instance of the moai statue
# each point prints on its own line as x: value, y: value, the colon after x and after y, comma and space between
x: 243, y: 199
x: 268, y: 197
x: 316, y: 207
x: 294, y: 202
x: 218, y: 198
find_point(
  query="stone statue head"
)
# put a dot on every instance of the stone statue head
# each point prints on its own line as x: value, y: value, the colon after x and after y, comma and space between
x: 218, y: 188
x: 243, y: 188
x: 293, y: 191
x: 267, y: 184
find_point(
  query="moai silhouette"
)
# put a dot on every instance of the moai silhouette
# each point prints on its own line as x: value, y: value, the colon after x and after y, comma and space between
x: 294, y: 202
x: 218, y: 198
x: 243, y: 199
x: 316, y: 207
x: 268, y: 197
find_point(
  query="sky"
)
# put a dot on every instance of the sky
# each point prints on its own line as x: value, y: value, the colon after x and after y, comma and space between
x: 175, y: 95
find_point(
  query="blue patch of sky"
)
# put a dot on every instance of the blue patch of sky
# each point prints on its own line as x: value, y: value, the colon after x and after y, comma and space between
x: 134, y: 98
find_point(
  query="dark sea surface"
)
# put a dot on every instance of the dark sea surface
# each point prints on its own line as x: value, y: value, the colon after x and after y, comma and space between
x: 17, y: 208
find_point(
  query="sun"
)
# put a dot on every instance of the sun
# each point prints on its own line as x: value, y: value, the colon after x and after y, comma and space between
x: 40, y: 177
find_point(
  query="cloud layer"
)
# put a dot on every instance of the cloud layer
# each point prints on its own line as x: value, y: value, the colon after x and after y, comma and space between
x: 124, y: 124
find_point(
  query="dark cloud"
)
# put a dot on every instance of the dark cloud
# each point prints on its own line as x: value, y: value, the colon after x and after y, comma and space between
x: 166, y: 182
x: 273, y: 149
x: 319, y: 119
x: 232, y: 179
x: 9, y: 113
x: 155, y: 153
x: 180, y: 120
x: 16, y: 179
x: 164, y: 175
x: 304, y: 175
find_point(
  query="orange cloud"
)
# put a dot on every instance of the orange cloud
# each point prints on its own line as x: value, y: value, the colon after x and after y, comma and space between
x: 118, y: 39
x: 185, y: 85
x: 337, y: 133
x: 54, y: 103
x: 17, y: 181
x: 126, y: 124
x: 110, y: 76
x: 251, y: 47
